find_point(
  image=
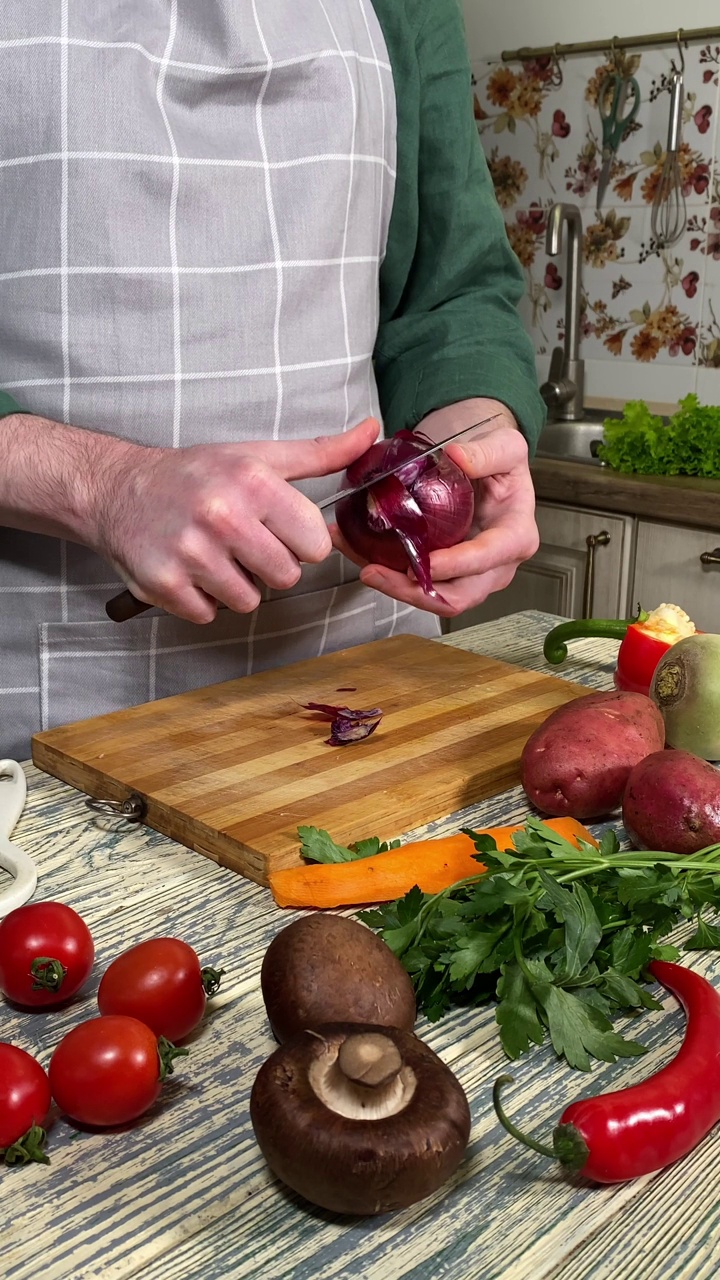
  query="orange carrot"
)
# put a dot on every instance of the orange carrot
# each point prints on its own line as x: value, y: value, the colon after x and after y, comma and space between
x: 431, y: 864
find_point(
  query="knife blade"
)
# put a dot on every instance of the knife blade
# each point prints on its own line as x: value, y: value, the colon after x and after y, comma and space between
x: 399, y: 466
x: 125, y: 605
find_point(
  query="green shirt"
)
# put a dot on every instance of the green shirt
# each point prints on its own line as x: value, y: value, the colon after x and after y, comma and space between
x: 449, y: 283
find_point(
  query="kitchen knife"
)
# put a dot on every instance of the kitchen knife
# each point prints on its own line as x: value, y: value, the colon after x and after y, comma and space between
x: 398, y: 466
x: 125, y: 605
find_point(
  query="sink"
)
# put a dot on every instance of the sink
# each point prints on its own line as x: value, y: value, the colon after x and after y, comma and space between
x: 572, y: 441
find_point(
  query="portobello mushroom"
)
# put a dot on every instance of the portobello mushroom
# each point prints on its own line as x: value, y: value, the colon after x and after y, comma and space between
x: 359, y: 1119
x: 328, y: 968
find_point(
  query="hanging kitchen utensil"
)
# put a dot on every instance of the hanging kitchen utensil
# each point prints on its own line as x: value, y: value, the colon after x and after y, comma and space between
x: 615, y: 93
x: 669, y: 214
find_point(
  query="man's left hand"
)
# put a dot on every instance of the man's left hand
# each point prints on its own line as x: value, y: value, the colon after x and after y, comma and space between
x: 504, y: 532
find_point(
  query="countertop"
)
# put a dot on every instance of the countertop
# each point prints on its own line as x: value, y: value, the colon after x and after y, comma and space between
x: 185, y: 1194
x: 685, y: 500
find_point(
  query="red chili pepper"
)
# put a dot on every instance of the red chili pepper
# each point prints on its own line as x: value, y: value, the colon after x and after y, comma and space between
x: 618, y: 1136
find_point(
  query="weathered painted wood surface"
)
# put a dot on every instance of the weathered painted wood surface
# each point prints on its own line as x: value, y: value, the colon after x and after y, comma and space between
x: 185, y: 1193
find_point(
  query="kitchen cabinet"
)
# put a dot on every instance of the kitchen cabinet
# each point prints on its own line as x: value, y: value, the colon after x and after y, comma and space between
x: 583, y: 567
x: 679, y: 564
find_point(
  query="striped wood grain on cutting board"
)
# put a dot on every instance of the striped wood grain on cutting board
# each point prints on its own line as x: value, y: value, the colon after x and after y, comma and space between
x: 232, y: 770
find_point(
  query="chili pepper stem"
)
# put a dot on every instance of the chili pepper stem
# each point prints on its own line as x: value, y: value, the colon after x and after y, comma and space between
x: 569, y: 1146
x: 511, y: 1128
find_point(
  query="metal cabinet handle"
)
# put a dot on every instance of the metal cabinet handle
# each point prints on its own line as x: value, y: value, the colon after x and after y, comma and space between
x: 710, y: 557
x: 592, y: 541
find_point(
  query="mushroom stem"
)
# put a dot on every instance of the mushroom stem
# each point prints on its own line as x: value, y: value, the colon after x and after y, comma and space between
x: 371, y: 1059
x: 363, y: 1078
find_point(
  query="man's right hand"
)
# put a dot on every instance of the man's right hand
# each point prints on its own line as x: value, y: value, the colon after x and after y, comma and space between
x: 187, y: 528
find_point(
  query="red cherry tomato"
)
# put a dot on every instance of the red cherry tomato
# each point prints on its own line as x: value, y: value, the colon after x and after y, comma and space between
x: 24, y: 1106
x: 46, y: 954
x: 161, y: 983
x: 108, y: 1071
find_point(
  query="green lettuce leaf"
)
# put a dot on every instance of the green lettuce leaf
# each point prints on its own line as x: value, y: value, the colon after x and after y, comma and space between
x: 641, y: 443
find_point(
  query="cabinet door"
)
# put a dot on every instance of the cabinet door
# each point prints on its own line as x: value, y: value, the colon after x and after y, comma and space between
x: 554, y: 580
x: 669, y: 569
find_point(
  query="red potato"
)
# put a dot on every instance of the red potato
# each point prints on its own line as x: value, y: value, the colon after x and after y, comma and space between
x: 577, y: 763
x: 672, y: 803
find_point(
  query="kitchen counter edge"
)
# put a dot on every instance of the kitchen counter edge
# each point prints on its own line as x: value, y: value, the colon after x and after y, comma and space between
x: 680, y: 500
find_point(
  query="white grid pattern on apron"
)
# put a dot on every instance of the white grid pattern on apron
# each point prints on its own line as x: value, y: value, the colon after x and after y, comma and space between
x: 69, y: 579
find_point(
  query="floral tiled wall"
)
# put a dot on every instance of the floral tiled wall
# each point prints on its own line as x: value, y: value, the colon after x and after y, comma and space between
x: 651, y: 316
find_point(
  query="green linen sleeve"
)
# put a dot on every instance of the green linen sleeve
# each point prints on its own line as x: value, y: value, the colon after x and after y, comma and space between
x: 450, y: 283
x: 8, y: 405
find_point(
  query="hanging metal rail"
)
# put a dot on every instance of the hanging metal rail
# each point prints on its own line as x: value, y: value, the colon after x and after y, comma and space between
x: 616, y: 42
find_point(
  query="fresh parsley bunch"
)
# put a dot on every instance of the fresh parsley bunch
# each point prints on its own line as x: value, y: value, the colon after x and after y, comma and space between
x: 558, y: 935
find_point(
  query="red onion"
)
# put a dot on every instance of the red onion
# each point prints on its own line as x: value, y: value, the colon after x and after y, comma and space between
x: 397, y: 522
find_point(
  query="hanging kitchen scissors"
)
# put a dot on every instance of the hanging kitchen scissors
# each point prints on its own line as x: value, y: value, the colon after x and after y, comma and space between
x: 619, y: 103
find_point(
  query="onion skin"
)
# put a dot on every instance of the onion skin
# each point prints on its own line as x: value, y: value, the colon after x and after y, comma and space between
x: 686, y: 688
x: 441, y: 490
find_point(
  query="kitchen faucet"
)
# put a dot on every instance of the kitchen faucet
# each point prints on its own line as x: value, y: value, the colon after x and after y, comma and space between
x: 563, y: 391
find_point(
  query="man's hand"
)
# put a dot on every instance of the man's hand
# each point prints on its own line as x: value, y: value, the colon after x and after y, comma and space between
x: 187, y: 528
x: 504, y: 533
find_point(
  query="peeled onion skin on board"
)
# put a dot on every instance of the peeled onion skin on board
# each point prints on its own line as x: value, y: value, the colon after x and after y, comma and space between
x: 672, y: 802
x: 577, y: 763
x: 686, y: 688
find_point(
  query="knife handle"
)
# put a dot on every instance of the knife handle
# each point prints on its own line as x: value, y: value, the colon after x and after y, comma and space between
x: 124, y: 606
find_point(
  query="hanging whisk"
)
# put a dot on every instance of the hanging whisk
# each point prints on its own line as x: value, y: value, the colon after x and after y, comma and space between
x: 669, y: 214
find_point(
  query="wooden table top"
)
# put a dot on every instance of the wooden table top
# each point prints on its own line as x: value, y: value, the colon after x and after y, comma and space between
x: 185, y: 1194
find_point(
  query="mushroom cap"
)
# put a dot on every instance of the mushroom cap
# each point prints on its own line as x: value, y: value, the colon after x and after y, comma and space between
x: 359, y: 1166
x: 328, y: 968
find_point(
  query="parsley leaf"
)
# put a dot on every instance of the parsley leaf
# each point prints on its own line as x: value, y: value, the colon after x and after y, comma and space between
x: 705, y: 938
x: 368, y: 848
x: 582, y: 927
x: 630, y: 951
x: 318, y: 846
x: 625, y: 992
x: 474, y: 954
x: 578, y: 1029
x: 516, y: 1014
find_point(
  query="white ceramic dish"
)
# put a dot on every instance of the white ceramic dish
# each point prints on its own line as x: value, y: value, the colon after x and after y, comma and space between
x: 13, y: 790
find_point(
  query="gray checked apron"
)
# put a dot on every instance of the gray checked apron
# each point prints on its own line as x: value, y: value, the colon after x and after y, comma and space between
x: 194, y: 203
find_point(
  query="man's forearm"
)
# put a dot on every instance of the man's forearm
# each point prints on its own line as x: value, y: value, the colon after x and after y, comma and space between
x: 53, y: 476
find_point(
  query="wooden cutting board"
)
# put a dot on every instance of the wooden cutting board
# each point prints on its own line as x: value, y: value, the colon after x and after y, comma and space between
x: 232, y: 770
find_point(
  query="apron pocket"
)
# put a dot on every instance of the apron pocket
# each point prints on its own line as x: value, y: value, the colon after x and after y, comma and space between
x: 90, y: 668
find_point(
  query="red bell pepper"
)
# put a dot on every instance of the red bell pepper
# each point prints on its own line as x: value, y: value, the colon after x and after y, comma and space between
x: 644, y: 640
